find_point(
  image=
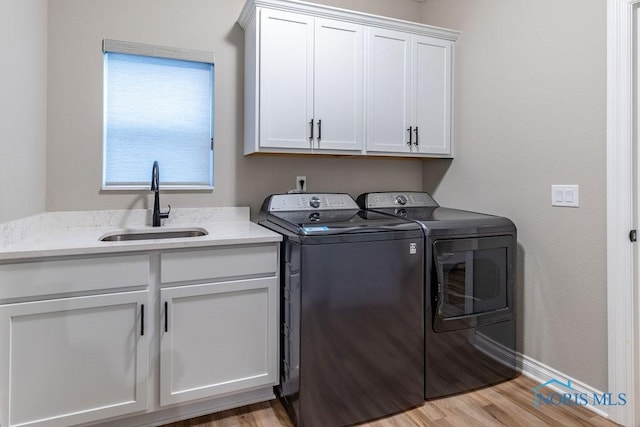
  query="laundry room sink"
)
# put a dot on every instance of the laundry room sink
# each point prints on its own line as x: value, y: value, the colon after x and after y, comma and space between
x: 153, y: 234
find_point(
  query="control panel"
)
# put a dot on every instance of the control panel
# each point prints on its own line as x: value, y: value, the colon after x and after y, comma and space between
x: 394, y: 200
x: 310, y: 202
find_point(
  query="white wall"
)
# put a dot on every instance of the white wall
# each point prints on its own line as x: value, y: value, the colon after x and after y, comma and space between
x: 23, y: 120
x: 530, y: 112
x: 76, y: 29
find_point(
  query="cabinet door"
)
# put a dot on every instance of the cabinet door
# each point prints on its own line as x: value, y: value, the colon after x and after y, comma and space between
x: 431, y: 91
x: 388, y: 101
x: 339, y: 82
x: 218, y: 338
x: 286, y: 79
x: 73, y: 360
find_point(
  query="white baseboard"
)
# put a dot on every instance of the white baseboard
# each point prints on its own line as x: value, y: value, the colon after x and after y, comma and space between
x: 542, y: 373
x: 182, y: 412
x: 538, y: 371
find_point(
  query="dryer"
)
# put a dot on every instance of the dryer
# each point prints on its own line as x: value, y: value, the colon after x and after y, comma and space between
x: 470, y: 304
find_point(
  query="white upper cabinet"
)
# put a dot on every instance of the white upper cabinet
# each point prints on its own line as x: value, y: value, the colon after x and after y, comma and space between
x: 389, y: 106
x: 339, y: 82
x: 310, y: 84
x: 409, y: 93
x: 286, y: 80
x: 431, y: 95
x: 323, y: 80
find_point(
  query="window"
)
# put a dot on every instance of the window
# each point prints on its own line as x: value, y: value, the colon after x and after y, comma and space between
x: 158, y: 105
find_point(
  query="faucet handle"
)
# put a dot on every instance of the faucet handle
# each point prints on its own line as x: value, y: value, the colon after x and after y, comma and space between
x: 165, y: 214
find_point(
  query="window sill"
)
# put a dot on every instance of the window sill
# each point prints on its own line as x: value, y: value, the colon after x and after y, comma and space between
x: 163, y: 188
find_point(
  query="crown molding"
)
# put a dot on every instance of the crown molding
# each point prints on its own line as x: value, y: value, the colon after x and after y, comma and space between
x: 296, y: 6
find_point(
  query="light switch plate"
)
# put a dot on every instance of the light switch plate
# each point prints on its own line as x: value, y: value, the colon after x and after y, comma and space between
x: 565, y: 196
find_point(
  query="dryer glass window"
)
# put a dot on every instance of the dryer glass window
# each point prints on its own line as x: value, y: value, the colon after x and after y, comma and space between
x: 472, y: 276
x: 473, y: 282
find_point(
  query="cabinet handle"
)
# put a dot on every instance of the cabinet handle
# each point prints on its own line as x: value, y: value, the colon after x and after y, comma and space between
x: 141, y: 319
x: 311, y: 126
x: 319, y: 130
x: 410, y: 141
x: 166, y: 316
x: 416, y: 143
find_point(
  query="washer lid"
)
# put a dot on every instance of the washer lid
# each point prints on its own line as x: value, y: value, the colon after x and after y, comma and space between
x: 339, y: 222
x: 308, y: 214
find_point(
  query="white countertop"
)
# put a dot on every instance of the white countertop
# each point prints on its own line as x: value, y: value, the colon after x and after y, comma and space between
x: 55, y: 234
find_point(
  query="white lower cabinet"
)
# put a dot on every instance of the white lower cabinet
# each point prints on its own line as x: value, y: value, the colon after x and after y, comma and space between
x: 217, y: 338
x: 219, y: 321
x: 90, y: 340
x: 73, y: 360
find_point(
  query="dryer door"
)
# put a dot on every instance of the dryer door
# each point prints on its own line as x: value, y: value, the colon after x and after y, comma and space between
x: 475, y: 281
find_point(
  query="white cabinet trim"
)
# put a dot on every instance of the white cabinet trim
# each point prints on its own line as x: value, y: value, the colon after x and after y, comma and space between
x: 622, y: 191
x: 329, y: 12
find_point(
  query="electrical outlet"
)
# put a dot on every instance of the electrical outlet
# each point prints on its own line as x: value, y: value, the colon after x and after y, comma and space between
x: 301, y: 183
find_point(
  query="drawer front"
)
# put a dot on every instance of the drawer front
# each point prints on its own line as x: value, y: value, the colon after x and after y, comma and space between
x: 33, y: 279
x: 229, y: 261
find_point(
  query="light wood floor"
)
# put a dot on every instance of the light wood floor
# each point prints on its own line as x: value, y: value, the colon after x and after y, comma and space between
x: 506, y: 404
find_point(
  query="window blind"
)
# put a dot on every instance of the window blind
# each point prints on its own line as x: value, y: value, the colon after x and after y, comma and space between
x: 157, y: 106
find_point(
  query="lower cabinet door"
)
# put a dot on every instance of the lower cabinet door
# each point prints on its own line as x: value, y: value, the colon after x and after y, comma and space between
x: 73, y: 360
x: 218, y: 339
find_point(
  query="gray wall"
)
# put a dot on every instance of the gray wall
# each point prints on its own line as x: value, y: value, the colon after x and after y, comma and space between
x: 74, y: 157
x: 23, y: 120
x: 530, y: 112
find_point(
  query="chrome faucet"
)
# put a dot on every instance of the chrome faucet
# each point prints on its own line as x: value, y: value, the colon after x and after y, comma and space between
x: 155, y: 187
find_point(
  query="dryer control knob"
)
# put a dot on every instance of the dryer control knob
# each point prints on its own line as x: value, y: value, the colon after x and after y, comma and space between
x: 314, y: 202
x: 401, y: 199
